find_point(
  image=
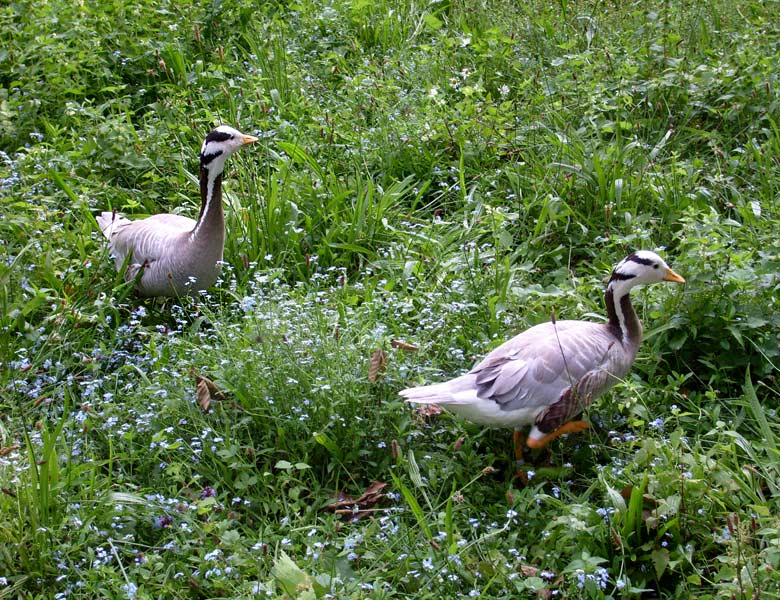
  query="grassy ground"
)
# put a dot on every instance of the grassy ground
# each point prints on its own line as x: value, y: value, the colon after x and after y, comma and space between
x: 444, y: 175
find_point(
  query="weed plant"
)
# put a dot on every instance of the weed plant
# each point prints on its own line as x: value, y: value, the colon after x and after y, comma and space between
x: 431, y: 179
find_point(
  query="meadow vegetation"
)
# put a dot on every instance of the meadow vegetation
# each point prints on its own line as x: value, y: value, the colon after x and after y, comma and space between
x: 437, y: 175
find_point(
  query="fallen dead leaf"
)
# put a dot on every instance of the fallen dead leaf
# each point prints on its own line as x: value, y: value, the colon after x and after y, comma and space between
x: 8, y: 449
x: 403, y: 345
x: 356, y: 508
x: 206, y: 391
x: 376, y: 367
x: 528, y: 570
x: 616, y: 539
x: 429, y: 410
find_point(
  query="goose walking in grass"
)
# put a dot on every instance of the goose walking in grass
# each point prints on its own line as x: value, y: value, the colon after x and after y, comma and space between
x: 548, y: 374
x: 173, y: 255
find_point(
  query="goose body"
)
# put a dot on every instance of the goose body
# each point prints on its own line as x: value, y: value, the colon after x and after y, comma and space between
x: 548, y: 374
x: 173, y: 255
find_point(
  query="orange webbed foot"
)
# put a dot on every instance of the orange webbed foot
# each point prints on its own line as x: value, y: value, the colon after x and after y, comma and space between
x: 570, y: 427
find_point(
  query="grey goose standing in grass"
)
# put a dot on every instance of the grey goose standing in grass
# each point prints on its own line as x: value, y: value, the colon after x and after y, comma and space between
x: 178, y: 256
x: 548, y: 374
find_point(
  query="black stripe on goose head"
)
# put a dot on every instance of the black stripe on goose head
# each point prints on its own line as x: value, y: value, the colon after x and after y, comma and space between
x: 205, y: 159
x: 213, y: 137
x: 622, y: 271
x: 634, y: 257
x: 618, y: 276
x: 218, y: 136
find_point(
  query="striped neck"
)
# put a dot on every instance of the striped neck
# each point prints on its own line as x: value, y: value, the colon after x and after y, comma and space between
x: 623, y: 321
x: 211, y: 220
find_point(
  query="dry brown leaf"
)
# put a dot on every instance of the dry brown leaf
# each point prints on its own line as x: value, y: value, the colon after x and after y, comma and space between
x: 429, y: 410
x: 206, y: 391
x: 376, y: 367
x: 203, y: 393
x: 8, y: 449
x: 626, y: 492
x: 616, y: 539
x: 528, y: 570
x: 403, y: 345
x: 356, y: 508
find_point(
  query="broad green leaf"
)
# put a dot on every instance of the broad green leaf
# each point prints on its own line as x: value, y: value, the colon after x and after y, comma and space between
x: 432, y: 22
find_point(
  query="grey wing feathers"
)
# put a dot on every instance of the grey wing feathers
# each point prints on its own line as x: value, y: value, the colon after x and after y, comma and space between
x: 499, y: 380
x: 536, y: 367
x: 146, y: 239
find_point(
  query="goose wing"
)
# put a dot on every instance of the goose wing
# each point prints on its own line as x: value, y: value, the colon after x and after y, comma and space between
x: 535, y: 369
x: 146, y: 240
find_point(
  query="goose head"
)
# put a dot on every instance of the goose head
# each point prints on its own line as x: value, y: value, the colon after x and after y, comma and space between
x: 220, y: 143
x: 641, y: 267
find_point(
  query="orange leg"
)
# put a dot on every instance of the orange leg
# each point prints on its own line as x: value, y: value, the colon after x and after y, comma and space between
x: 519, y: 441
x: 570, y: 427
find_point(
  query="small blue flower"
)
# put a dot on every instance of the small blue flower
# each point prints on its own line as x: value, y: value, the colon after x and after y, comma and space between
x: 130, y: 589
x: 657, y: 424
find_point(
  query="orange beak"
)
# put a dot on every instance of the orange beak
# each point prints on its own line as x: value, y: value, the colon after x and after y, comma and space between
x: 672, y: 276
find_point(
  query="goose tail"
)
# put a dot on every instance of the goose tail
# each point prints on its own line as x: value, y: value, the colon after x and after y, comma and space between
x: 456, y: 391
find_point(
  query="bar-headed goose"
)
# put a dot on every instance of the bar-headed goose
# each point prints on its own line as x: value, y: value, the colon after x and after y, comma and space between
x: 178, y: 256
x: 548, y: 374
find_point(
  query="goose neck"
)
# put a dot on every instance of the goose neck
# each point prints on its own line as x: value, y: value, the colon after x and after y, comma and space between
x: 623, y: 321
x: 211, y: 220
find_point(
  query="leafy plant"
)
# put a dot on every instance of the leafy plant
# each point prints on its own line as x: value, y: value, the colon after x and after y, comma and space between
x: 431, y: 179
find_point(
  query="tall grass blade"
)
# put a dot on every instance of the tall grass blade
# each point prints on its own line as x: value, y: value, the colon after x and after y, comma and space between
x: 758, y: 413
x: 414, y: 506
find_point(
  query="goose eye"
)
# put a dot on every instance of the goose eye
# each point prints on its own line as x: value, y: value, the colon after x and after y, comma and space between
x: 655, y: 266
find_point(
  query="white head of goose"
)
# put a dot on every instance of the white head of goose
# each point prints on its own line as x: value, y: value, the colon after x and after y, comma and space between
x: 548, y: 374
x: 177, y: 255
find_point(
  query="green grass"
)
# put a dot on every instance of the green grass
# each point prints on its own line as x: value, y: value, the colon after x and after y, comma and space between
x: 445, y: 175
